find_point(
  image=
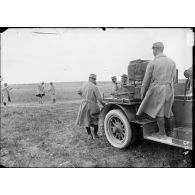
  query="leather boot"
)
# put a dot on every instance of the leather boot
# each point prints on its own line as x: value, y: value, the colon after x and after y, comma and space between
x: 101, y: 131
x: 89, y: 137
x: 169, y: 125
x: 95, y: 132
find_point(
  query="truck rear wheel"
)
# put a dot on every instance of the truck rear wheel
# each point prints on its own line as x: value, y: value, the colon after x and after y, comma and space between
x: 117, y: 129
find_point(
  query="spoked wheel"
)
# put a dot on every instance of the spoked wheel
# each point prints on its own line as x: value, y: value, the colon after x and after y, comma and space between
x: 117, y: 129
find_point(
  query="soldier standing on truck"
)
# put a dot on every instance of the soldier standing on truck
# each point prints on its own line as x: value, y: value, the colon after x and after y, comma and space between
x: 89, y: 110
x: 124, y: 79
x: 116, y: 85
x: 157, y: 89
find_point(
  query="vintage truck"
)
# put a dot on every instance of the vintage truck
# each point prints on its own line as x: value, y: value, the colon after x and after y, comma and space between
x: 121, y: 125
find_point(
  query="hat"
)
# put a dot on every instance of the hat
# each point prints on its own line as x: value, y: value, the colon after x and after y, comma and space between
x: 114, y: 77
x: 93, y: 76
x: 158, y: 45
x: 124, y: 75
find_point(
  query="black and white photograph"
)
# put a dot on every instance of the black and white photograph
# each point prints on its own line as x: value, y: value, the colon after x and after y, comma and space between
x: 96, y: 97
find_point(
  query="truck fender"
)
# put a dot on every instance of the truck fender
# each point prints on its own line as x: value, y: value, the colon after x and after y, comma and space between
x: 129, y: 111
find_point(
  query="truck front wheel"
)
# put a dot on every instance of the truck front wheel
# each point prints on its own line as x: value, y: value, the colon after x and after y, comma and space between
x: 117, y: 129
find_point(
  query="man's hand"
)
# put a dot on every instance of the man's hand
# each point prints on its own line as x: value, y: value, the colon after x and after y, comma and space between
x: 103, y: 104
x: 141, y: 95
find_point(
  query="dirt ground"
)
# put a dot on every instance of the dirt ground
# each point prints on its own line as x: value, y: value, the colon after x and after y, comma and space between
x: 34, y: 135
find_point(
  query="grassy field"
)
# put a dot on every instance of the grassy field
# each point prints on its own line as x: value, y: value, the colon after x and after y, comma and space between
x: 65, y: 91
x: 34, y: 135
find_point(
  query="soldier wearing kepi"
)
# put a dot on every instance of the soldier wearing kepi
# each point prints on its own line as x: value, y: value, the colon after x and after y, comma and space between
x: 124, y: 79
x: 115, y: 85
x: 157, y: 89
x: 89, y: 110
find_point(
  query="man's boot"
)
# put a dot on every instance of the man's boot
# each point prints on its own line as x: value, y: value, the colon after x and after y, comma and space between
x: 95, y: 131
x: 90, y: 137
x: 161, y: 127
x: 169, y: 125
x: 101, y: 131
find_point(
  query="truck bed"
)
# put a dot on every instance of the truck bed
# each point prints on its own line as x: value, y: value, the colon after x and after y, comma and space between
x: 122, y: 101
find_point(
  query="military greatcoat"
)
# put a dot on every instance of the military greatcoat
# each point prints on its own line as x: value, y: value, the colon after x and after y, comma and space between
x: 89, y: 110
x: 157, y: 87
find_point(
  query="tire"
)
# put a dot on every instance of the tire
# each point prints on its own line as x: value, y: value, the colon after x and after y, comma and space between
x: 117, y: 129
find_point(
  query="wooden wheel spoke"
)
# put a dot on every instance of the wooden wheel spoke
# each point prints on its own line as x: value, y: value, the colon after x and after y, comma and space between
x: 118, y: 130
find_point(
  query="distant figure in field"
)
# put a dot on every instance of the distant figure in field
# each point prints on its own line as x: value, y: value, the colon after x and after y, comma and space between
x: 89, y: 110
x: 40, y: 92
x: 116, y: 85
x: 6, y: 94
x: 52, y: 91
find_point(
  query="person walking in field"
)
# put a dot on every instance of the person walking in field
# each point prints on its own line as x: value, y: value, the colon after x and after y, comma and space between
x: 89, y: 110
x: 6, y: 94
x: 157, y: 89
x: 40, y: 92
x: 52, y: 91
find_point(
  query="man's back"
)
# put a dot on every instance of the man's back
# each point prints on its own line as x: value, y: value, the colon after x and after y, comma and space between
x: 164, y: 69
x: 90, y: 92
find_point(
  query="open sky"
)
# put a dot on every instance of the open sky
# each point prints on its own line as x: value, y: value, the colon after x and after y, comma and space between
x: 71, y: 54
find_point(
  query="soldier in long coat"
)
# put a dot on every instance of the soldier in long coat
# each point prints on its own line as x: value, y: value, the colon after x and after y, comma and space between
x: 157, y: 89
x: 40, y: 92
x: 89, y: 110
x: 52, y: 91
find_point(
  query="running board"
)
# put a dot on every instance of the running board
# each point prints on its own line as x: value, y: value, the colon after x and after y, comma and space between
x: 150, y: 127
x: 172, y: 141
x: 143, y: 122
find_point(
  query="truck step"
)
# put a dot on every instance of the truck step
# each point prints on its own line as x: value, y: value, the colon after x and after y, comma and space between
x: 142, y: 122
x: 171, y: 141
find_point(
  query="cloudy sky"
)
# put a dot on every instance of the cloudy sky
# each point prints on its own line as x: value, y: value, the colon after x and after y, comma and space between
x: 64, y: 54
